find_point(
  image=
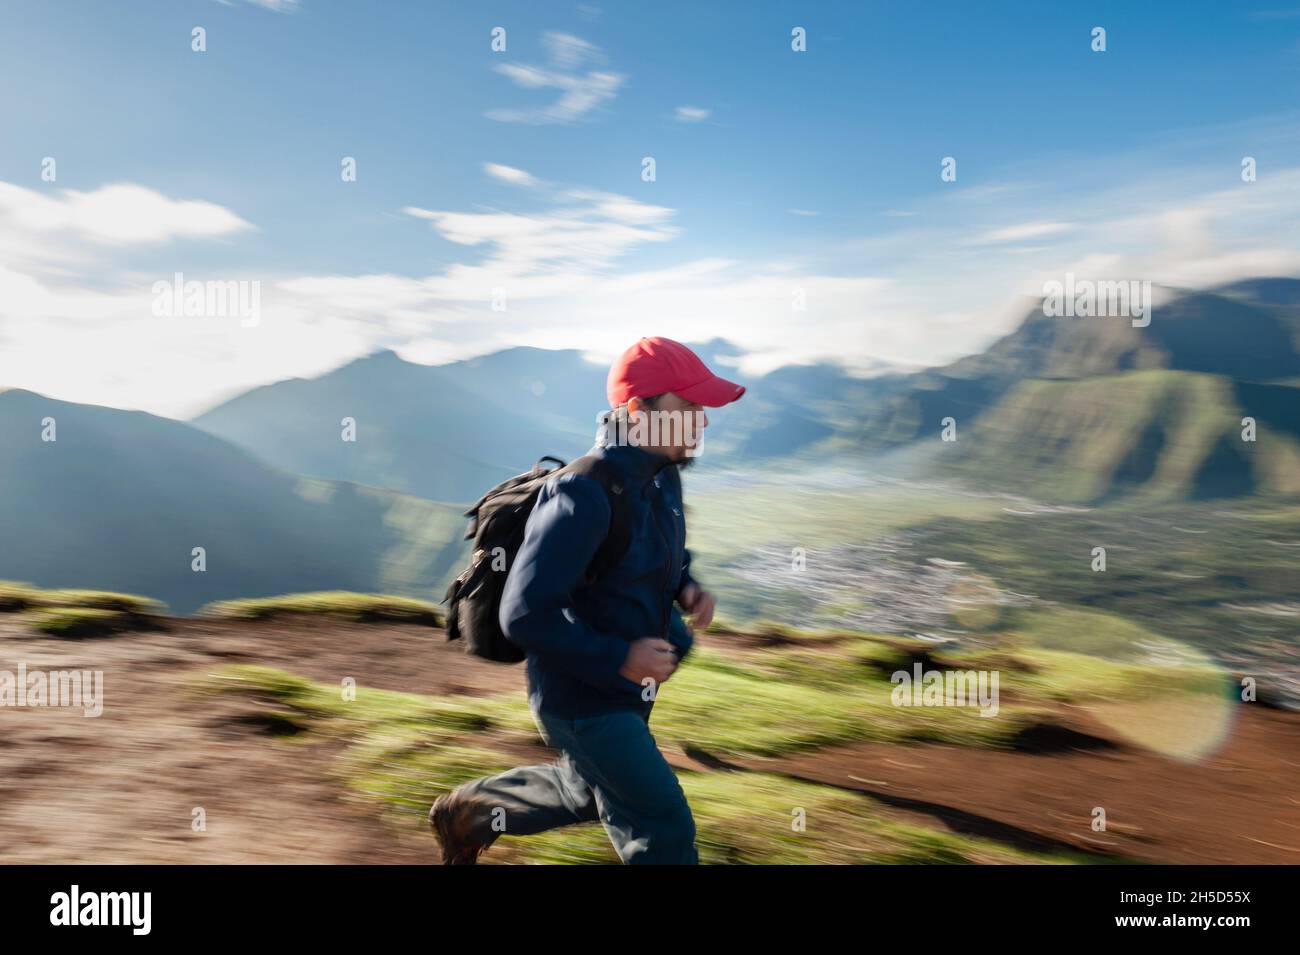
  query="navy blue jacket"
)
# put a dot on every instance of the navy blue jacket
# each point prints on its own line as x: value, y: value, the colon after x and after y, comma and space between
x: 577, y: 634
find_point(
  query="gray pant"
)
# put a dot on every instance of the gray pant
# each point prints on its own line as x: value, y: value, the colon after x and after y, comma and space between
x: 609, y: 769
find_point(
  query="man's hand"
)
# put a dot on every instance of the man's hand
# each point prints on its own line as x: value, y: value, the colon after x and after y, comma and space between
x: 649, y: 657
x: 656, y: 658
x: 699, y: 603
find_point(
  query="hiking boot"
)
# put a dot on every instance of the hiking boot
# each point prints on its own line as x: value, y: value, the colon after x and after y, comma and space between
x: 450, y: 819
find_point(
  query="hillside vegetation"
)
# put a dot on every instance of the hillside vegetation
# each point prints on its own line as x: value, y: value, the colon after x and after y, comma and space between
x: 402, y: 749
x: 1156, y: 434
x: 335, y: 603
x: 121, y: 499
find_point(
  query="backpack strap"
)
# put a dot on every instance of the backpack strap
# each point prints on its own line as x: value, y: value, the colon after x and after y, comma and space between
x: 619, y: 537
x: 508, y: 484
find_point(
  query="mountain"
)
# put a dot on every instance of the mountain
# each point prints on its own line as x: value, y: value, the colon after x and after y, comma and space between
x: 449, y: 432
x: 791, y: 410
x: 1085, y: 409
x: 1195, y: 332
x: 120, y: 498
x: 1157, y: 433
x: 1272, y: 291
x: 1081, y: 410
x: 445, y: 432
x: 1078, y: 408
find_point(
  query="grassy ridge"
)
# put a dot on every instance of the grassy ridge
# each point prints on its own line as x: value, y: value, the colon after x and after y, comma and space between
x: 347, y: 605
x: 16, y: 597
x: 404, y: 750
x: 78, y: 613
x: 401, y: 750
x: 1156, y: 434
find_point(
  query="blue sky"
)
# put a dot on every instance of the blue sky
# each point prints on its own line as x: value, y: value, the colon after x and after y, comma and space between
x: 778, y: 174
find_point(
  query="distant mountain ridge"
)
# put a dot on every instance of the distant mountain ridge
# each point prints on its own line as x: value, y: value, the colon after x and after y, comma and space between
x: 1082, y: 410
x: 448, y: 432
x: 1198, y: 332
x: 1086, y: 409
x: 1166, y: 434
x: 121, y: 498
x: 444, y: 432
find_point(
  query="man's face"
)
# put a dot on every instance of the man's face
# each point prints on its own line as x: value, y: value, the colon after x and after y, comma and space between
x: 679, y: 427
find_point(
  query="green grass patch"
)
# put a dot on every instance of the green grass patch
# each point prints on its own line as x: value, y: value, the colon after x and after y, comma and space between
x: 78, y: 613
x: 326, y: 707
x: 364, y: 608
x: 795, y: 699
x: 404, y: 750
x: 80, y: 622
x: 16, y: 597
x: 750, y: 818
x: 101, y: 600
x: 764, y: 702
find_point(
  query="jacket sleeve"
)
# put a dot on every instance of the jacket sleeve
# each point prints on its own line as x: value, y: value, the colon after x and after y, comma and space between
x: 686, y: 577
x: 568, y: 524
x: 679, y: 634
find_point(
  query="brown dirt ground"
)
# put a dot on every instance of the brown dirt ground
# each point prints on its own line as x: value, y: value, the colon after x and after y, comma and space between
x: 121, y: 788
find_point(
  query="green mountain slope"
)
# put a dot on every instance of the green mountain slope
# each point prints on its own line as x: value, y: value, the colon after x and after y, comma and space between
x: 1165, y: 434
x: 1198, y: 332
x: 1267, y: 291
x: 121, y: 498
x: 442, y: 432
x: 449, y: 432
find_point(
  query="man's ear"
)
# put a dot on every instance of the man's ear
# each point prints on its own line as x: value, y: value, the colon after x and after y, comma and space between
x: 633, y: 406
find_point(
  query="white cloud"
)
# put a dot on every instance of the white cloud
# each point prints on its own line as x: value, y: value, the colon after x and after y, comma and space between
x: 510, y: 174
x: 692, y: 114
x: 1025, y: 230
x: 583, y: 232
x: 114, y: 214
x: 580, y: 91
x: 1192, y: 240
x: 277, y: 6
x: 559, y: 268
x: 570, y: 52
x: 73, y: 324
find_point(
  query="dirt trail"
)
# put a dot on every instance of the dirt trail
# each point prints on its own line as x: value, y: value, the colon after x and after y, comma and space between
x: 122, y: 787
x: 1241, y: 805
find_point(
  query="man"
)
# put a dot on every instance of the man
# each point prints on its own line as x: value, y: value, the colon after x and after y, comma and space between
x: 599, y: 650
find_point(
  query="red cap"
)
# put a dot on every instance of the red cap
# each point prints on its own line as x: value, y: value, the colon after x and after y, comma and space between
x: 655, y: 365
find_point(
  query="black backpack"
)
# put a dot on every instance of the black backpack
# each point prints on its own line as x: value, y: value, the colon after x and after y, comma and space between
x: 497, y: 527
